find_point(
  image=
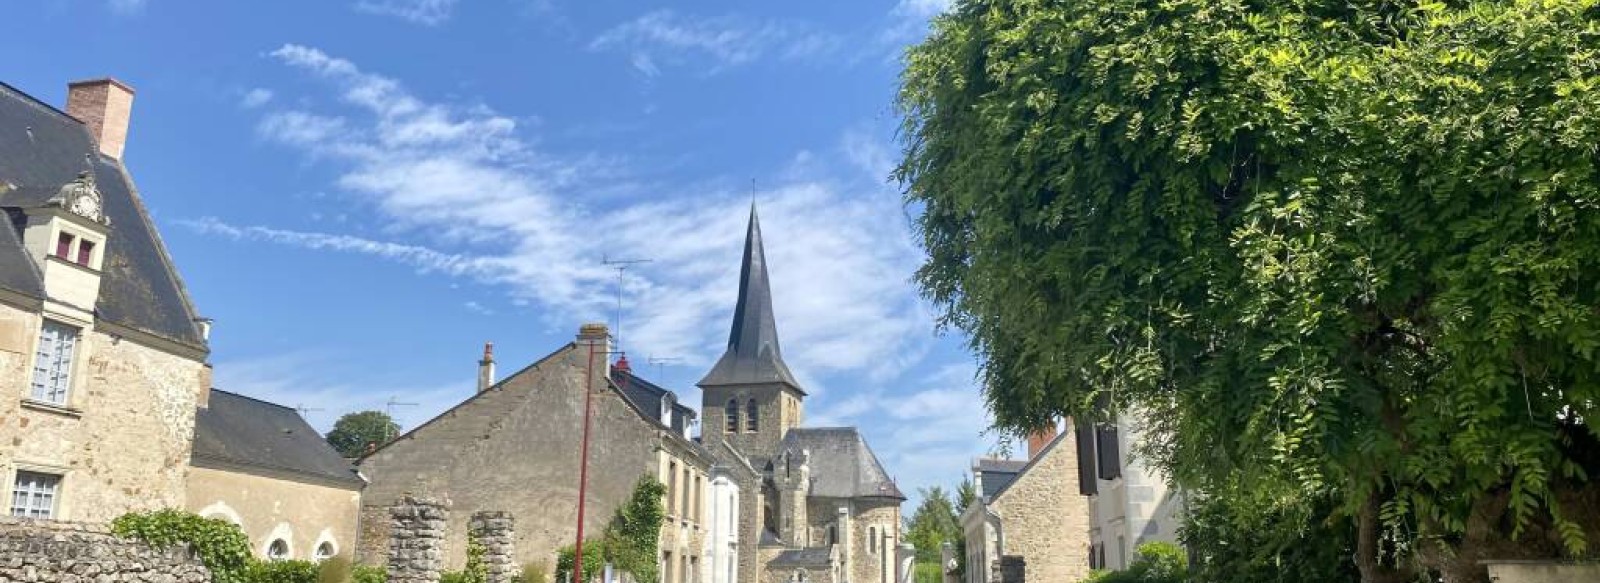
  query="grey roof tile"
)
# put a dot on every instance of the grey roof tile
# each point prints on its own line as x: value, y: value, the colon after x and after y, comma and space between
x: 809, y: 557
x: 41, y: 149
x: 842, y: 464
x: 238, y: 430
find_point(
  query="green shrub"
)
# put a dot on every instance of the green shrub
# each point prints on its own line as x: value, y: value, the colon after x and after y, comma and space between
x: 928, y: 573
x: 335, y: 569
x: 1156, y: 562
x: 534, y: 573
x: 219, y: 544
x: 281, y: 572
x: 369, y: 574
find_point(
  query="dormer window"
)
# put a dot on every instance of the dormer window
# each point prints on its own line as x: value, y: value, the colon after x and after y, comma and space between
x: 64, y: 245
x: 85, y: 252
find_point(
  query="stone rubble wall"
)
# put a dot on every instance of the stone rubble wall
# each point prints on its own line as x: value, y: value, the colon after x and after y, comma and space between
x: 416, y: 544
x: 497, y: 532
x: 66, y: 552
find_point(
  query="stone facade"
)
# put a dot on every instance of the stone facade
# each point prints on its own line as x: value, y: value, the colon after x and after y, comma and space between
x: 1039, y: 520
x: 516, y: 448
x: 122, y: 440
x: 66, y: 552
x: 497, y: 532
x: 306, y: 516
x: 417, y: 529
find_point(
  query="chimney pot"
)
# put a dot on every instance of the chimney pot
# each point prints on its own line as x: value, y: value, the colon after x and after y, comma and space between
x: 1038, y: 440
x: 592, y: 332
x: 105, y: 106
x: 486, y: 368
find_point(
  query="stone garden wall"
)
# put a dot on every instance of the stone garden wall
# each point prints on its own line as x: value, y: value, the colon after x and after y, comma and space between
x: 64, y: 552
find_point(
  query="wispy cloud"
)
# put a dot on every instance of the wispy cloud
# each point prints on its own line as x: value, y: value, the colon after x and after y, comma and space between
x: 126, y: 6
x: 255, y: 98
x: 710, y: 44
x: 301, y: 380
x: 425, y: 12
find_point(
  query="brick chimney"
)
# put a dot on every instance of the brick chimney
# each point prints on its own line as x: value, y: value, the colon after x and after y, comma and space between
x: 104, y: 105
x: 1038, y: 440
x: 486, y: 368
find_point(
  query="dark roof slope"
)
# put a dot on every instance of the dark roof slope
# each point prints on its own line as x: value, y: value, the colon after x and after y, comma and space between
x: 241, y: 431
x: 842, y: 464
x: 647, y: 397
x: 42, y: 149
x: 753, y: 356
x: 809, y: 557
x: 995, y: 475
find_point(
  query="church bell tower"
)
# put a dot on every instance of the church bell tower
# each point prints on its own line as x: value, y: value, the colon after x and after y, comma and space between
x: 750, y: 398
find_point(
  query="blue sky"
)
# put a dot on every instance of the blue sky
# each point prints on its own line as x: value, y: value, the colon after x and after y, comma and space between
x: 362, y: 192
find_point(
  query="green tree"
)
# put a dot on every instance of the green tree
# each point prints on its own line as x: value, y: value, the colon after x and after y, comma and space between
x: 352, y: 432
x: 629, y: 542
x: 932, y: 524
x: 1344, y: 248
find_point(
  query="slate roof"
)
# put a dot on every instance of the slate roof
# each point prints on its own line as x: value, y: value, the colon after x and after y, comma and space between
x: 811, y: 557
x: 647, y: 397
x: 236, y: 430
x: 842, y: 464
x: 995, y: 475
x: 41, y: 149
x: 753, y: 356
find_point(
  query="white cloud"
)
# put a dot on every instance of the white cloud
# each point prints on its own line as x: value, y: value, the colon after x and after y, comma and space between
x: 425, y: 12
x: 255, y: 98
x: 714, y: 44
x: 922, y: 8
x: 448, y: 180
x: 301, y: 380
x: 478, y: 308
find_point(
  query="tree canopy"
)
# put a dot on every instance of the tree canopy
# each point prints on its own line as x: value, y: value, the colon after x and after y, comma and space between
x: 352, y: 432
x: 932, y: 524
x: 1346, y: 248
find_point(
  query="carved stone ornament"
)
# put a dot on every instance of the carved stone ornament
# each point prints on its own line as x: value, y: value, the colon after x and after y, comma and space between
x: 82, y: 198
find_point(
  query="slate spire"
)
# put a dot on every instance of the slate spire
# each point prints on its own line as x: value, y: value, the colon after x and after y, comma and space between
x: 753, y: 356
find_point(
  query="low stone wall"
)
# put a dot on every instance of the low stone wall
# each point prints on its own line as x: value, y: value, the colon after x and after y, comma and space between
x: 416, y: 543
x: 497, y: 532
x: 64, y: 552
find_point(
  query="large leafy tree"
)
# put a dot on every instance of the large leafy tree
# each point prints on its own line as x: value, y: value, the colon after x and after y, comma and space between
x: 354, y: 431
x: 932, y: 524
x: 1349, y: 249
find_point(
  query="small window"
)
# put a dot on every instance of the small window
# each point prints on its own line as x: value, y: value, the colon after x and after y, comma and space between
x: 324, y: 551
x: 672, y: 489
x: 872, y: 540
x: 64, y: 246
x: 85, y: 252
x: 278, y: 550
x: 732, y: 412
x: 683, y: 505
x: 52, y: 363
x: 754, y: 413
x: 34, y: 495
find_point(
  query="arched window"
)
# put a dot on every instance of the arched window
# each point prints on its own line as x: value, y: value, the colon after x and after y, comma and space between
x: 278, y: 550
x: 753, y: 414
x: 732, y: 412
x: 324, y: 551
x: 833, y: 535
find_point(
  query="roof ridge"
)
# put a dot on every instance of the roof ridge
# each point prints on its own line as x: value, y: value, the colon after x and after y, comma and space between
x: 28, y: 97
x: 256, y: 399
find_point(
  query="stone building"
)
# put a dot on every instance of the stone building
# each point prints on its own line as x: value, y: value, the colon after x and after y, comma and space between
x: 1029, y: 513
x: 260, y: 466
x: 514, y: 446
x: 102, y: 355
x: 816, y: 502
x: 1130, y: 503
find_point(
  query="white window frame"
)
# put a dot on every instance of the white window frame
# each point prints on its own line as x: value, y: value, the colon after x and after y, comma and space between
x: 320, y: 556
x: 35, y: 494
x: 53, y: 365
x: 274, y: 556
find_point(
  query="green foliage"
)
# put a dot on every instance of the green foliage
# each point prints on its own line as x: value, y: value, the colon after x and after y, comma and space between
x: 220, y: 545
x: 475, y: 571
x: 629, y: 542
x: 1237, y: 535
x: 369, y: 574
x: 534, y: 573
x: 335, y: 569
x: 281, y: 572
x: 353, y: 431
x: 928, y: 573
x: 1156, y: 562
x: 1344, y: 248
x: 932, y: 524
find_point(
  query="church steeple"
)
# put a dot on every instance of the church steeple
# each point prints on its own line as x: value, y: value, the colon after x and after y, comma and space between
x: 753, y: 356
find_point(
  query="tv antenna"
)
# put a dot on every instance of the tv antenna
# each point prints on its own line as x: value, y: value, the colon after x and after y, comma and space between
x: 622, y: 266
x: 303, y: 409
x: 388, y: 409
x: 660, y: 362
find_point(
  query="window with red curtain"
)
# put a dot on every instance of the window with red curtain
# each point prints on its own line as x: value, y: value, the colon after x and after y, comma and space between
x: 85, y: 251
x: 64, y: 246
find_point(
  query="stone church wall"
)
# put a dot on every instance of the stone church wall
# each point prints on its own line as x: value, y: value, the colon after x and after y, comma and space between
x: 1045, y: 519
x: 874, y: 566
x: 66, y: 552
x: 515, y: 448
x: 122, y: 442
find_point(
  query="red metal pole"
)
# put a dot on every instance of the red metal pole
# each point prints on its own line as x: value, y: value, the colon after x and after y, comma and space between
x: 583, y: 464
